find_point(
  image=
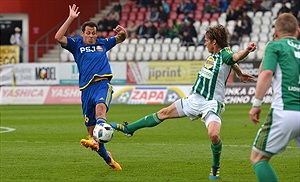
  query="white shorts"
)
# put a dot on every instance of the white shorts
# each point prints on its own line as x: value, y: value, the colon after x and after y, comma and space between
x: 196, y: 106
x: 279, y: 128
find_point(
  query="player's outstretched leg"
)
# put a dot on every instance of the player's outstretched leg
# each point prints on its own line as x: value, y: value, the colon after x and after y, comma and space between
x: 106, y: 155
x: 122, y: 127
x: 147, y: 121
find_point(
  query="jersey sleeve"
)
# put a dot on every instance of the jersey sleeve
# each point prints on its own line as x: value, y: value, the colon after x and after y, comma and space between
x: 109, y: 42
x: 227, y: 54
x: 270, y: 57
x: 71, y: 44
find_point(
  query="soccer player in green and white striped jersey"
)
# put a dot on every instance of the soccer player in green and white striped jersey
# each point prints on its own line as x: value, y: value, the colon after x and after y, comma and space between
x: 206, y: 100
x: 280, y: 68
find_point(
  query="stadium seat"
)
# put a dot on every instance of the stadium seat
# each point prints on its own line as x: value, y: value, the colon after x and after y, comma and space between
x: 263, y: 37
x: 198, y: 16
x: 182, y: 48
x: 235, y: 48
x: 116, y: 48
x: 213, y: 23
x: 254, y: 38
x: 245, y: 39
x: 261, y: 45
x: 164, y: 56
x: 197, y: 55
x: 123, y: 48
x: 113, y: 56
x: 181, y: 17
x: 199, y: 48
x: 150, y: 41
x: 259, y: 55
x: 165, y: 47
x: 173, y: 15
x: 180, y: 55
x: 154, y: 56
x: 204, y: 24
x: 257, y: 20
x: 265, y: 28
x: 268, y: 14
x: 134, y: 41
x: 129, y: 56
x: 176, y: 40
x: 266, y: 20
x: 138, y: 56
x: 121, y: 56
x: 133, y: 16
x: 148, y: 47
x: 205, y: 54
x: 191, y: 48
x: 142, y: 41
x: 174, y: 47
x: 167, y: 41
x: 111, y: 34
x: 157, y: 47
x: 171, y: 55
x: 258, y: 14
x: 131, y: 47
x: 251, y: 57
x: 146, y: 56
x: 206, y: 17
x: 140, y: 48
x: 140, y: 16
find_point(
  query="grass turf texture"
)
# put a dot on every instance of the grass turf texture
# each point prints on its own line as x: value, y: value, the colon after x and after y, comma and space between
x: 45, y: 147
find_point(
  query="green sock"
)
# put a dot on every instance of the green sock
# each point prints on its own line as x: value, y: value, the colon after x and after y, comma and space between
x: 216, y: 153
x: 147, y: 121
x: 264, y: 171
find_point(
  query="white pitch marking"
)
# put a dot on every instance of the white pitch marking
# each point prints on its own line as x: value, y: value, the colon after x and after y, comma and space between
x: 6, y: 129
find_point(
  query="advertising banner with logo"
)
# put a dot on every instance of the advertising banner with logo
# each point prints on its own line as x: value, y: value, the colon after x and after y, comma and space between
x: 36, y: 74
x: 7, y: 75
x: 9, y: 54
x: 156, y: 94
x: 163, y: 72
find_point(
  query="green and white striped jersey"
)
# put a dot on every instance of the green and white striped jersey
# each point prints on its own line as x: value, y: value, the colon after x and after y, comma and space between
x: 212, y: 78
x: 283, y: 58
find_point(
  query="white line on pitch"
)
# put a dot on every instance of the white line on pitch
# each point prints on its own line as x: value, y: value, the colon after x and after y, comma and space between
x: 6, y: 129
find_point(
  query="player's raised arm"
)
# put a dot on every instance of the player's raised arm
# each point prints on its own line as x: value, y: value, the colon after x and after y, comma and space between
x: 244, y: 53
x: 60, y: 34
x: 121, y: 34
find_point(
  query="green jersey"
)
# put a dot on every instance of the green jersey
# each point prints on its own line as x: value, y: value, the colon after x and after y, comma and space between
x: 212, y: 78
x: 283, y: 58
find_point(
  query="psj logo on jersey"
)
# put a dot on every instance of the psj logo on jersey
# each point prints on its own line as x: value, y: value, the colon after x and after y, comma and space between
x: 45, y: 73
x: 91, y: 49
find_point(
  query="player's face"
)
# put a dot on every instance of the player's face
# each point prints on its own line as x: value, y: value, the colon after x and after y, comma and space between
x: 209, y: 45
x: 89, y: 36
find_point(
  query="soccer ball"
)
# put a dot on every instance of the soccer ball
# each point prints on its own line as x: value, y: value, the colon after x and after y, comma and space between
x: 103, y: 133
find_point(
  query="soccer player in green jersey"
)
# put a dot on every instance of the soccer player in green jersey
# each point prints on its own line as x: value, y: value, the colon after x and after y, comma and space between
x: 206, y: 100
x: 280, y: 68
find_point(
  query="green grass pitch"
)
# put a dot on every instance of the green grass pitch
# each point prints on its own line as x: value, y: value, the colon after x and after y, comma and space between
x: 45, y: 147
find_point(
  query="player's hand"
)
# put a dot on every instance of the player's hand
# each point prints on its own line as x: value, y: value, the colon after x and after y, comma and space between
x: 73, y: 11
x: 244, y: 77
x: 119, y: 30
x: 254, y: 114
x: 251, y: 47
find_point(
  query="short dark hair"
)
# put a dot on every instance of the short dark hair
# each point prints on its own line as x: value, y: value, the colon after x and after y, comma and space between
x: 88, y: 24
x: 218, y: 33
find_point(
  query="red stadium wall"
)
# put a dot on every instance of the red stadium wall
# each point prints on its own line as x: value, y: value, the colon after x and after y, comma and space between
x: 46, y: 14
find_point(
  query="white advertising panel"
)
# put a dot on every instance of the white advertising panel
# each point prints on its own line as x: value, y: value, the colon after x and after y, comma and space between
x: 36, y: 74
